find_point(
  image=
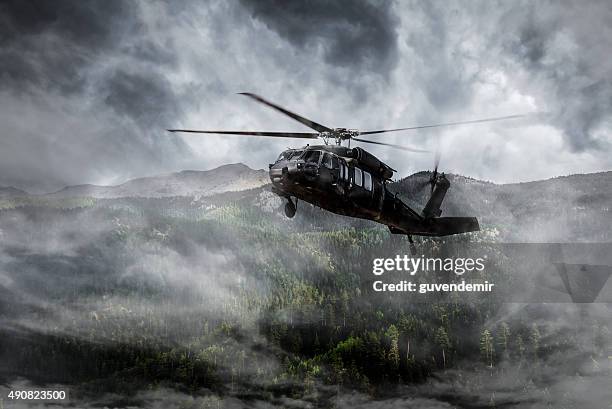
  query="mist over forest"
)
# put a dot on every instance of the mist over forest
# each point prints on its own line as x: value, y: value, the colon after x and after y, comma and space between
x: 212, y: 298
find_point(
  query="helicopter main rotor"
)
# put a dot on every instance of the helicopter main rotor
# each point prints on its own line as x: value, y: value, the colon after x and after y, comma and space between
x: 337, y: 134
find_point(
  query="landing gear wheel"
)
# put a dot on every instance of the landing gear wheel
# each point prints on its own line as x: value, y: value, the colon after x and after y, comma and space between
x: 290, y: 209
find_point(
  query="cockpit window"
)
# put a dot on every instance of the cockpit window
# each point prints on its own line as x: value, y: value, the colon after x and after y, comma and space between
x: 357, y: 177
x: 287, y: 155
x: 367, y: 181
x: 312, y: 156
x: 296, y: 154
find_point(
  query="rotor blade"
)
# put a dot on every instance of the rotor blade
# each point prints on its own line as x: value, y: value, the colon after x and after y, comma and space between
x: 307, y: 135
x: 311, y: 124
x: 436, y: 161
x: 391, y: 144
x: 475, y: 121
x: 434, y: 175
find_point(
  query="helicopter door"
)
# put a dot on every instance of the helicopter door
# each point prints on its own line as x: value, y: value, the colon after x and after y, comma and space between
x: 344, y: 177
x: 329, y: 171
x: 311, y: 163
x: 372, y: 186
x: 361, y: 190
x: 378, y: 194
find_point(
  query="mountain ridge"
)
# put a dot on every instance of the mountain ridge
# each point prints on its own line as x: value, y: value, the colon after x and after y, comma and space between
x: 225, y: 178
x: 238, y: 176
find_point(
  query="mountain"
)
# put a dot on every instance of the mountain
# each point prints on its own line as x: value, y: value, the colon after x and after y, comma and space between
x: 568, y: 208
x: 576, y: 207
x: 10, y: 192
x: 226, y: 178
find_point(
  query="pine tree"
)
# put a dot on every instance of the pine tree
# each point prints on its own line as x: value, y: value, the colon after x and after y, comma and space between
x: 441, y: 339
x: 520, y: 344
x: 393, y: 355
x: 486, y: 347
x: 534, y: 338
x: 503, y: 335
x: 344, y: 298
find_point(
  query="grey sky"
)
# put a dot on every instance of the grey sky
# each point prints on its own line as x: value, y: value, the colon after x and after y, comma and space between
x: 87, y: 88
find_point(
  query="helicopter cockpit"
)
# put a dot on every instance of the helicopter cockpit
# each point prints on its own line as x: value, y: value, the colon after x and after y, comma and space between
x: 297, y: 163
x: 309, y: 156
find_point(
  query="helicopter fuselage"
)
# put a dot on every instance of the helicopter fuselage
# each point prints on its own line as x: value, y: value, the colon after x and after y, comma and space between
x: 352, y: 182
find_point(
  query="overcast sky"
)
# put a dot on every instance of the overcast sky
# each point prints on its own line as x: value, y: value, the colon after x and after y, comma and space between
x: 87, y: 88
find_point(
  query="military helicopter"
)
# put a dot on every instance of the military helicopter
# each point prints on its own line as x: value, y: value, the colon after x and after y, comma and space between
x: 353, y: 182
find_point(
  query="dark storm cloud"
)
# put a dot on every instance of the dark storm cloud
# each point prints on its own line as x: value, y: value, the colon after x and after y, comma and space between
x: 98, y: 67
x: 140, y: 96
x: 564, y: 47
x: 443, y: 77
x: 47, y: 44
x: 57, y: 45
x: 360, y: 34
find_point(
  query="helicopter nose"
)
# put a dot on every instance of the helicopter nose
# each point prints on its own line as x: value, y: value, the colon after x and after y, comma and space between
x: 276, y: 174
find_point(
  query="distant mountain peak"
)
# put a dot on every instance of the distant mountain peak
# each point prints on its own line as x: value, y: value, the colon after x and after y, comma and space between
x: 237, y: 165
x: 198, y: 183
x: 230, y: 166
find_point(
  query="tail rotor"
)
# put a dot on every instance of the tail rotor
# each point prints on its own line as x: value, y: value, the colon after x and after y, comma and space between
x: 439, y: 185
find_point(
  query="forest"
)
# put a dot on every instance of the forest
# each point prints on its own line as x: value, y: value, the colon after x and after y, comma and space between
x: 227, y: 304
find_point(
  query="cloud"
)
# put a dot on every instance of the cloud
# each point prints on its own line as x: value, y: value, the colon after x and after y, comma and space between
x: 561, y: 49
x: 98, y: 78
x: 49, y: 45
x: 359, y: 34
x: 88, y: 91
x: 139, y: 96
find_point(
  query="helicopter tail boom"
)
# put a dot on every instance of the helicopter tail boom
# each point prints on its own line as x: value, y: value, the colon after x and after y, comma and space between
x: 446, y: 226
x: 438, y: 226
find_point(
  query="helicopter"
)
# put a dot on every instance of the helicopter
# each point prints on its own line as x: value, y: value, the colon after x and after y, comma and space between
x: 352, y: 181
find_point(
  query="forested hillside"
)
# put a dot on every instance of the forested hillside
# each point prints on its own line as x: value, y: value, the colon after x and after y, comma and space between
x: 220, y: 301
